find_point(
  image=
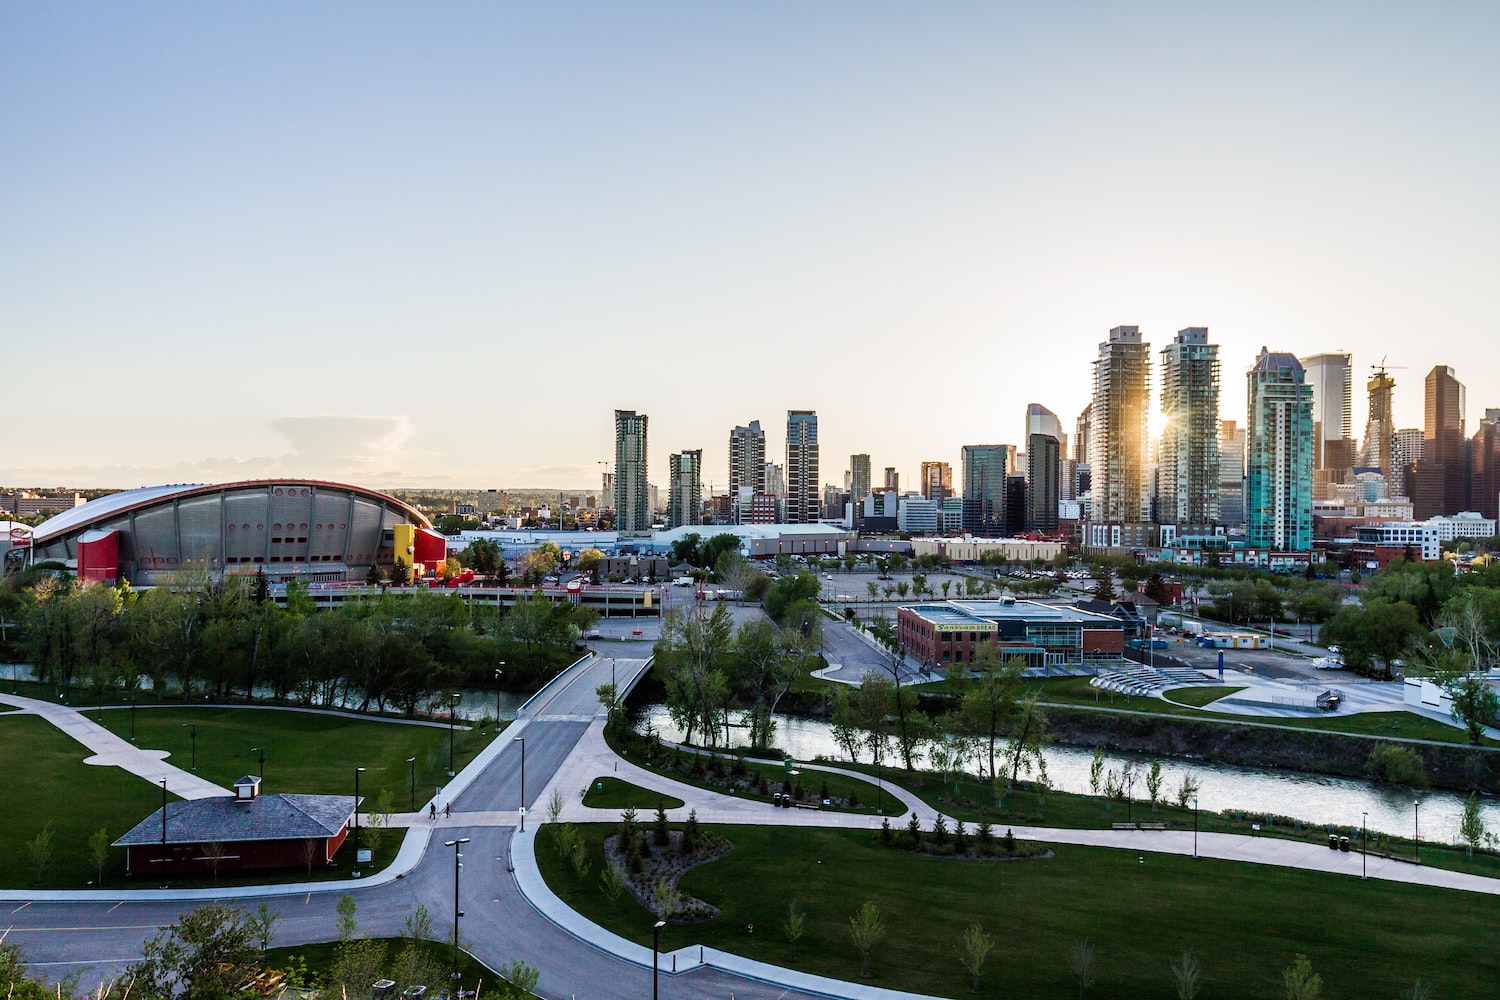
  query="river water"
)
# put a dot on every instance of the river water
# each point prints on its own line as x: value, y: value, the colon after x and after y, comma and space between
x: 1316, y: 799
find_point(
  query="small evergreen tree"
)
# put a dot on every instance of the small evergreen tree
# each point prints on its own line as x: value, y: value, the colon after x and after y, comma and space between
x: 660, y: 835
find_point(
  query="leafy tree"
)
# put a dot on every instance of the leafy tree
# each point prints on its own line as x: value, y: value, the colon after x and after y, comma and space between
x: 612, y: 882
x: 1028, y: 738
x: 974, y: 951
x: 866, y: 929
x: 989, y: 700
x: 1300, y: 982
x: 198, y: 956
x: 794, y: 924
x: 1082, y: 965
x: 1187, y: 973
x: 1153, y: 783
x: 1104, y: 589
x: 522, y: 977
x: 1475, y: 703
x: 1096, y: 770
x: 1187, y: 791
x: 99, y: 851
x: 1471, y: 825
x: 1378, y: 630
x: 39, y: 852
x: 1397, y: 765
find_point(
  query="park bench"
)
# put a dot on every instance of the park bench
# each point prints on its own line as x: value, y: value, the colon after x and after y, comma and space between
x: 807, y: 805
x: 1153, y: 825
x: 1124, y: 826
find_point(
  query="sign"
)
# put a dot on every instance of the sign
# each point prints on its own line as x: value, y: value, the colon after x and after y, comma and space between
x: 1221, y: 664
x: 365, y: 856
x: 966, y: 627
x: 20, y: 538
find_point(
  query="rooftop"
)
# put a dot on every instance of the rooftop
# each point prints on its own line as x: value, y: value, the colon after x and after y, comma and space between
x: 225, y: 819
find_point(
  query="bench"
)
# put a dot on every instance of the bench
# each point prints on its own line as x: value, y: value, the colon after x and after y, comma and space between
x: 806, y: 805
x: 1153, y: 825
x: 1124, y: 826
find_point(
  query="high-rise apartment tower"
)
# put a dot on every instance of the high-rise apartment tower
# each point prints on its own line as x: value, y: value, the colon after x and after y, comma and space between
x: 1188, y: 459
x: 802, y: 501
x: 1278, y: 466
x: 632, y: 497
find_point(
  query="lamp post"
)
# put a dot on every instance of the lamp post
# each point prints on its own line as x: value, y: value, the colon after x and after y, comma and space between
x: 164, y: 833
x: 192, y: 728
x: 1195, y: 826
x: 655, y: 949
x: 1416, y: 827
x: 522, y: 740
x: 497, y: 695
x: 132, y: 718
x: 412, y: 761
x: 261, y: 760
x: 453, y: 701
x: 457, y: 864
x: 357, y: 772
x: 1364, y: 855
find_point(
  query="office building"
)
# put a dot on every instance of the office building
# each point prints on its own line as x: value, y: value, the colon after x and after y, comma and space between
x: 859, y: 478
x: 633, y: 500
x: 1484, y: 466
x: 1278, y: 462
x: 747, y: 467
x: 1081, y: 437
x: 1445, y: 445
x: 1380, y: 427
x: 1406, y: 450
x: 1188, y: 457
x: 1045, y: 445
x: 1117, y: 429
x: 892, y: 479
x: 986, y: 467
x: 802, y: 481
x: 1332, y: 379
x: 937, y: 481
x: 685, y: 492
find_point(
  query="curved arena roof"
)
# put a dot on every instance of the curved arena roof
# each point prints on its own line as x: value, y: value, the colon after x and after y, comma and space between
x: 312, y: 528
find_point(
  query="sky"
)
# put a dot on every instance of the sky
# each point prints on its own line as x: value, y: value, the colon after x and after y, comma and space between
x: 439, y: 244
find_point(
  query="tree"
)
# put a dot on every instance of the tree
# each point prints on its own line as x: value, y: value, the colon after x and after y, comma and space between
x: 794, y: 925
x: 612, y: 881
x: 262, y: 925
x: 99, y: 851
x: 1153, y: 783
x: 1397, y: 765
x: 39, y: 851
x: 989, y: 700
x: 1187, y: 791
x: 1471, y: 825
x: 866, y: 928
x: 973, y: 952
x: 522, y: 977
x: 1096, y: 770
x: 1475, y: 703
x: 1082, y: 965
x: 214, y: 852
x: 1300, y: 982
x: 1187, y: 973
x: 400, y: 573
x: 1028, y: 738
x: 198, y: 957
x: 1104, y: 590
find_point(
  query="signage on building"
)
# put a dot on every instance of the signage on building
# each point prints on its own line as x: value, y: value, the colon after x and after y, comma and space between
x: 20, y: 538
x: 967, y: 627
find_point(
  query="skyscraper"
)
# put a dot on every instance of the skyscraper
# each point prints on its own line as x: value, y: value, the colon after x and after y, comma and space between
x: 859, y: 479
x: 892, y: 479
x: 1188, y: 460
x: 1231, y: 475
x: 685, y: 492
x: 1444, y: 444
x: 1332, y: 379
x: 747, y: 462
x: 632, y: 497
x: 1081, y: 437
x: 1117, y: 428
x: 1278, y: 476
x: 985, y: 469
x: 937, y: 481
x: 802, y: 485
x: 1380, y: 427
x: 1045, y: 445
x: 1484, y: 466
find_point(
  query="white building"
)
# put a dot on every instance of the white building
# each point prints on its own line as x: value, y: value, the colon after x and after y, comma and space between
x: 1421, y: 537
x: 918, y: 515
x: 1467, y: 524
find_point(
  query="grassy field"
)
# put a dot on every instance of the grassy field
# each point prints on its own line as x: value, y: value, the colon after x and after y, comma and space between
x: 608, y: 792
x: 751, y: 779
x: 313, y: 961
x: 43, y: 780
x: 305, y: 751
x: 1246, y: 923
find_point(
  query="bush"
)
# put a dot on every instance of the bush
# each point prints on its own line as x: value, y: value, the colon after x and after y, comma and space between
x: 1397, y: 765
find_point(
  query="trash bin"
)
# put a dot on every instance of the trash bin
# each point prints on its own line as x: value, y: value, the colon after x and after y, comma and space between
x: 382, y: 989
x: 776, y: 799
x: 414, y: 993
x: 1333, y: 841
x: 1344, y: 844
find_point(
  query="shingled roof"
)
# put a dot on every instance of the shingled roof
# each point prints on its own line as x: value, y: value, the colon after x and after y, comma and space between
x: 225, y: 819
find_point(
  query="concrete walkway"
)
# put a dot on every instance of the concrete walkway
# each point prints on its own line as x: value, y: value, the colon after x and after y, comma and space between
x: 115, y: 751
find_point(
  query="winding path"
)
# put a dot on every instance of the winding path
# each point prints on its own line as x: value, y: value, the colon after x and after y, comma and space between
x: 511, y: 914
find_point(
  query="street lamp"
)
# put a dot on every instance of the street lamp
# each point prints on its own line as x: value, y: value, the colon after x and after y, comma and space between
x: 453, y: 701
x: 1364, y: 855
x: 413, y: 762
x: 132, y: 718
x: 192, y: 728
x: 1195, y: 826
x: 497, y: 695
x: 1416, y: 826
x: 164, y: 833
x: 457, y: 864
x: 357, y: 772
x: 261, y: 774
x: 522, y: 740
x: 656, y: 962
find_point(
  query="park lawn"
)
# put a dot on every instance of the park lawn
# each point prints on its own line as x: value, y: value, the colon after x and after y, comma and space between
x: 608, y: 792
x: 306, y: 752
x: 316, y: 960
x: 1197, y: 697
x: 688, y: 767
x: 1245, y: 922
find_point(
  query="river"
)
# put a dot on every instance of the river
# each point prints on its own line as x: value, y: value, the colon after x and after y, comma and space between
x: 1314, y: 798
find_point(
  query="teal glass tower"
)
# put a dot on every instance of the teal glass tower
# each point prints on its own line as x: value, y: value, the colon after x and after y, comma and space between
x: 1279, y: 454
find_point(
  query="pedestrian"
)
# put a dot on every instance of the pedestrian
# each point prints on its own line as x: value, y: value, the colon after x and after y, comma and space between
x: 432, y: 810
x: 447, y: 809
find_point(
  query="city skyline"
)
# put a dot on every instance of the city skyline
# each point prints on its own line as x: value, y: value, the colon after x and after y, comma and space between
x: 418, y: 249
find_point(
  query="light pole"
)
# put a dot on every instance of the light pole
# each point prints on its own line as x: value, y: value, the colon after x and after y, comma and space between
x: 497, y: 695
x: 357, y: 772
x: 164, y: 833
x: 261, y: 774
x: 1416, y: 827
x: 457, y: 864
x: 132, y: 718
x: 192, y: 728
x: 522, y: 740
x: 453, y: 700
x: 1364, y: 855
x: 655, y: 949
x: 412, y: 761
x: 1195, y: 826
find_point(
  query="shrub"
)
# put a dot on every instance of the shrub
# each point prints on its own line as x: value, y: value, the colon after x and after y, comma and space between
x: 1397, y: 765
x: 885, y: 830
x: 1010, y: 842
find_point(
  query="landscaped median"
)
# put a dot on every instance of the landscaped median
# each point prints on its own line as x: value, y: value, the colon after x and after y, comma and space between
x: 1245, y: 923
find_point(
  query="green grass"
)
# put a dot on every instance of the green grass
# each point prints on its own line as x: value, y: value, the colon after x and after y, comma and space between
x: 305, y: 751
x: 1197, y: 697
x: 1245, y: 922
x: 741, y: 777
x: 315, y: 960
x: 611, y: 793
x: 43, y: 780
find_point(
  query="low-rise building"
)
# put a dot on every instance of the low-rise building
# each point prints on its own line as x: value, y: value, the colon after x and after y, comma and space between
x: 1467, y: 524
x: 1377, y: 545
x: 946, y: 633
x: 968, y: 549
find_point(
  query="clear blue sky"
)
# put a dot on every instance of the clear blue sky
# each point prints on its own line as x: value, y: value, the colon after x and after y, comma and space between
x: 439, y: 244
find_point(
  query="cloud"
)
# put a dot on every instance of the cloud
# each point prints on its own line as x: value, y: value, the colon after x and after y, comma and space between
x: 341, y: 446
